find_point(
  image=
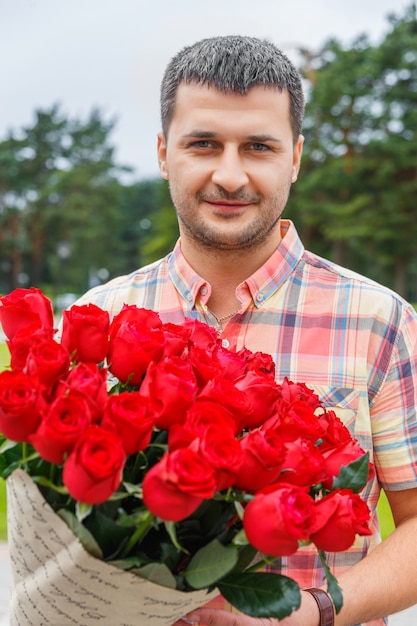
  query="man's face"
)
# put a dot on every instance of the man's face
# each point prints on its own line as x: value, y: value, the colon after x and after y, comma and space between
x: 230, y: 161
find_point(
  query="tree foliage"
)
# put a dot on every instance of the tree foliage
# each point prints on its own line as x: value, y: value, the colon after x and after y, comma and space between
x: 355, y: 200
x: 68, y: 221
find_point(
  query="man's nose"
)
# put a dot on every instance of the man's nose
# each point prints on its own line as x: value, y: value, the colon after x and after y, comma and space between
x: 229, y: 171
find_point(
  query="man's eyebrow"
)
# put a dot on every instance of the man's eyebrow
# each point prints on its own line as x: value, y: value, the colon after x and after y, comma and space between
x: 206, y: 134
x: 264, y: 138
x: 203, y: 134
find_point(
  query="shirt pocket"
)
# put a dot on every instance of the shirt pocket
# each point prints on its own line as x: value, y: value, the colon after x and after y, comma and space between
x: 344, y: 401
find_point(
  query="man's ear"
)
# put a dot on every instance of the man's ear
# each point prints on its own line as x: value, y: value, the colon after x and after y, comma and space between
x: 162, y: 155
x: 298, y: 151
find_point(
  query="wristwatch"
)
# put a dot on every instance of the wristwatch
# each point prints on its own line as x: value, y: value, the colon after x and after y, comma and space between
x: 325, y: 604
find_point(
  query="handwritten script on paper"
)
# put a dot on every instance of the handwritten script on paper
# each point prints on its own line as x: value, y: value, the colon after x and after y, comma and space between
x: 55, y: 581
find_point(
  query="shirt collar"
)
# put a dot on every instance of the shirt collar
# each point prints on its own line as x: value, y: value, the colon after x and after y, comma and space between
x: 261, y: 285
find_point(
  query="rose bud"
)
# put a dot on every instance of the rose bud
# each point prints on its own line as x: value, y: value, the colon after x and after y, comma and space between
x: 133, y: 345
x: 176, y: 486
x: 222, y: 451
x: 278, y: 518
x: 61, y: 427
x: 23, y: 341
x: 171, y: 387
x: 261, y: 392
x: 342, y: 456
x: 48, y: 360
x: 303, y: 464
x: 90, y: 380
x: 21, y: 405
x: 202, y: 335
x: 200, y: 416
x: 25, y: 307
x: 338, y: 518
x: 130, y: 415
x: 85, y: 333
x: 263, y: 456
x: 93, y: 470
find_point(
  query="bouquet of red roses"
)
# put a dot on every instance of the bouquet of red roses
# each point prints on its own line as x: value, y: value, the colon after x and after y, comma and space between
x: 175, y: 458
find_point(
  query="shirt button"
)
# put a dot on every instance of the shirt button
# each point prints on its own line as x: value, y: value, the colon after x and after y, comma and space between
x: 203, y: 290
x: 259, y: 297
x: 225, y: 343
x: 189, y: 297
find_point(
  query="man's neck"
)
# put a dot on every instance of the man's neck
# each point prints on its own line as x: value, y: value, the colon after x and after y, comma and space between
x: 225, y: 270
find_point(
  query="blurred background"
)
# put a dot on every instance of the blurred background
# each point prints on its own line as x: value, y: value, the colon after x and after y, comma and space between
x: 81, y: 199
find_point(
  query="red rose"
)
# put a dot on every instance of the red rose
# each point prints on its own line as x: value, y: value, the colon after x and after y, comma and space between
x: 202, y: 335
x: 132, y: 314
x: 61, y: 427
x: 258, y: 361
x: 343, y: 455
x: 303, y: 465
x: 291, y: 391
x: 90, y: 380
x: 172, y: 388
x: 294, y: 420
x: 22, y: 342
x: 130, y: 415
x: 85, y: 333
x: 230, y: 365
x: 205, y: 367
x: 176, y: 339
x: 21, y: 405
x: 48, y: 360
x: 278, y: 518
x: 24, y: 307
x: 134, y: 343
x: 338, y: 518
x: 263, y: 456
x: 222, y: 451
x: 93, y: 470
x: 261, y: 392
x: 200, y: 416
x: 226, y: 394
x: 176, y: 486
x: 335, y: 432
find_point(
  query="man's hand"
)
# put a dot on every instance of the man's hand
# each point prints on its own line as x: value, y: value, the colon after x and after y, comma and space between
x: 307, y: 615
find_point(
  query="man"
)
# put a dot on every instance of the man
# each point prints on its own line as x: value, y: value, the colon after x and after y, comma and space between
x: 230, y: 149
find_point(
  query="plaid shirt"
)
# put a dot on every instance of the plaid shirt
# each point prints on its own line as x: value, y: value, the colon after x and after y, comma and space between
x: 351, y: 340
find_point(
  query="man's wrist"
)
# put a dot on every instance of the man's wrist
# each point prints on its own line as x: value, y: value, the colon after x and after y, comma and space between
x: 325, y: 605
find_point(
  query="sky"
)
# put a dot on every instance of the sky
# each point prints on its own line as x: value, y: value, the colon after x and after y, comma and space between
x: 111, y: 54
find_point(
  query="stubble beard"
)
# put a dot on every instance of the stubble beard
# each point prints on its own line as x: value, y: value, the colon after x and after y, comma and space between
x: 242, y: 240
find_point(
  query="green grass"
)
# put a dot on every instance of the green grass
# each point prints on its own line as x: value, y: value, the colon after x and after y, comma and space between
x: 387, y: 524
x: 4, y: 356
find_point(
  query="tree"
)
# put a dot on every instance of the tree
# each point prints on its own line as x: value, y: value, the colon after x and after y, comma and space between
x: 59, y: 196
x: 355, y: 196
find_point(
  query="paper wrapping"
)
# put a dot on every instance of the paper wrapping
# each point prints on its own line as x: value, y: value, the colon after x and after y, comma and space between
x: 55, y: 582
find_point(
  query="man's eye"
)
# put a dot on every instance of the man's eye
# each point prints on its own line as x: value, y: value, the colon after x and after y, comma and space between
x: 260, y: 147
x: 201, y: 143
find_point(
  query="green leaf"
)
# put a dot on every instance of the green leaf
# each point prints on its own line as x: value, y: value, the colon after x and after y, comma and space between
x: 82, y: 510
x: 246, y: 556
x: 210, y: 564
x: 7, y: 444
x: 332, y: 585
x: 172, y: 532
x: 261, y: 594
x: 80, y: 531
x: 353, y: 476
x: 45, y: 482
x: 157, y: 573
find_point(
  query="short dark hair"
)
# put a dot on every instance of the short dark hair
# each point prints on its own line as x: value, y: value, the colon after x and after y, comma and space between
x: 233, y: 64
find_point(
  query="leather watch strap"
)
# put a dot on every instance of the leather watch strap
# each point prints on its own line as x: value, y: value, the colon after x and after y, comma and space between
x: 325, y: 604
